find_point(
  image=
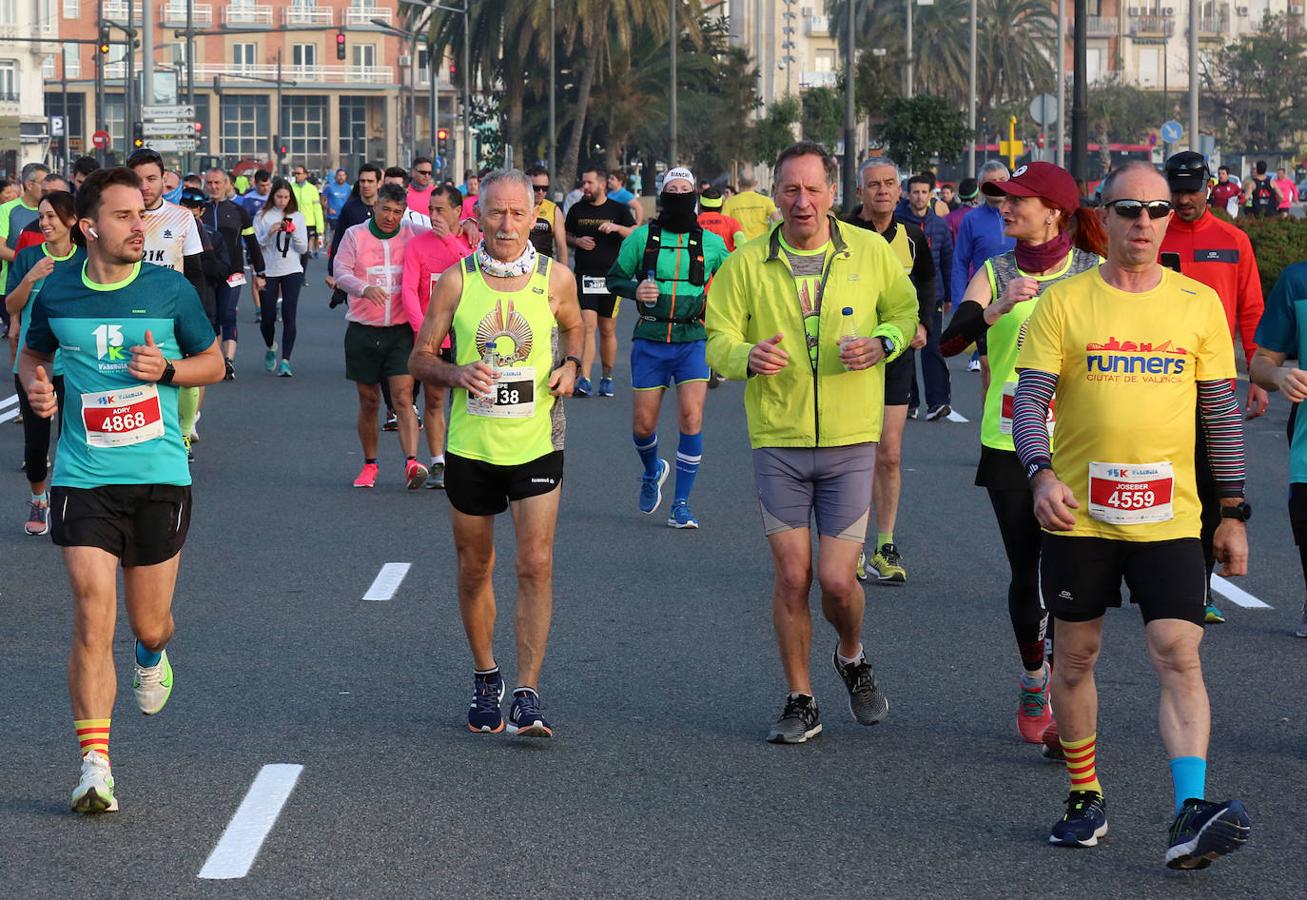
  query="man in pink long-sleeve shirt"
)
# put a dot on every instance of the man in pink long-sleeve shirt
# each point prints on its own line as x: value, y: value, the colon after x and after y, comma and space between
x: 425, y: 258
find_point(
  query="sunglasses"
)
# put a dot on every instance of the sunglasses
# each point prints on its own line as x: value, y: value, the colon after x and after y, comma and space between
x: 1133, y: 209
x: 421, y: 171
x: 539, y: 188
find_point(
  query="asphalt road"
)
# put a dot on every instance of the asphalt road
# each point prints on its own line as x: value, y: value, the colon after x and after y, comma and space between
x: 661, y: 681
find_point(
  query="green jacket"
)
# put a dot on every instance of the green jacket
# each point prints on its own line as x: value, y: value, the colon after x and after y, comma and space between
x: 309, y: 201
x: 678, y: 299
x: 754, y: 298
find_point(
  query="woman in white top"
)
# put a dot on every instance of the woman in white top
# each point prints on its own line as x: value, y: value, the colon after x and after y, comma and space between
x: 279, y: 228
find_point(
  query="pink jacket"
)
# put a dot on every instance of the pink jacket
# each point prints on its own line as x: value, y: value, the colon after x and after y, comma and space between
x: 424, y: 259
x: 419, y: 200
x: 365, y: 260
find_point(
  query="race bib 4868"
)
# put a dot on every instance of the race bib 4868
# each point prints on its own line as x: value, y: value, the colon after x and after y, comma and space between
x: 123, y: 417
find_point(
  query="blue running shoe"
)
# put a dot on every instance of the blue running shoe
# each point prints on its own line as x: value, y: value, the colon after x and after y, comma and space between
x: 1084, y: 823
x: 651, y: 489
x: 484, y: 716
x: 681, y: 517
x: 525, y: 718
x: 605, y: 387
x: 583, y: 388
x: 270, y: 359
x: 1203, y: 831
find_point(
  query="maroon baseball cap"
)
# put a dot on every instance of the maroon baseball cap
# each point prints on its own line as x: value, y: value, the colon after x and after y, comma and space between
x: 1052, y: 184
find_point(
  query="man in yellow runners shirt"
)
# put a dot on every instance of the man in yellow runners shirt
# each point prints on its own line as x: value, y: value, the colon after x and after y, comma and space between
x: 754, y: 210
x: 1136, y: 354
x: 517, y: 332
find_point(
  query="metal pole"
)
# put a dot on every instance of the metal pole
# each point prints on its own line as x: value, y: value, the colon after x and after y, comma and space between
x: 850, y: 138
x: 1193, y: 73
x: 1061, y: 83
x: 433, y: 98
x: 672, y: 42
x: 280, y: 129
x: 190, y: 72
x: 1080, y: 97
x: 129, y: 83
x: 467, y: 86
x: 412, y: 97
x: 757, y: 49
x: 63, y: 89
x: 553, y: 87
x: 909, y: 90
x: 147, y: 52
x: 98, y: 119
x: 971, y: 91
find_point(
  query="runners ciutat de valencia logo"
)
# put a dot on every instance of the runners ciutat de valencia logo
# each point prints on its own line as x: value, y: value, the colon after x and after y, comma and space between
x: 1135, y: 361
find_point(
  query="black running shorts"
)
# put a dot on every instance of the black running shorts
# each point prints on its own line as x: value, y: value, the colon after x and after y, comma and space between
x: 141, y: 524
x: 1080, y: 577
x: 898, y: 379
x: 477, y: 488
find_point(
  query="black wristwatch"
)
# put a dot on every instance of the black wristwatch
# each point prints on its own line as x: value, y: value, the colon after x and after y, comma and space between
x: 169, y: 372
x: 1241, y: 511
x: 887, y: 345
x: 573, y: 359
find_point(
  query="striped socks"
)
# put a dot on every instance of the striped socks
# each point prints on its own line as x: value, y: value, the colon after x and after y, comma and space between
x: 1080, y: 764
x: 93, y: 734
x: 689, y: 453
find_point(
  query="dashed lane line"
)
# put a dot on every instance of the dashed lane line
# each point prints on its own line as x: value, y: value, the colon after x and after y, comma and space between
x: 245, y: 833
x: 387, y: 581
x: 1237, y: 595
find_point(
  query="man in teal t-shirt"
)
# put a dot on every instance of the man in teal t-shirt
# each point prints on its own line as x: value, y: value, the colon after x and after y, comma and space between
x: 130, y: 335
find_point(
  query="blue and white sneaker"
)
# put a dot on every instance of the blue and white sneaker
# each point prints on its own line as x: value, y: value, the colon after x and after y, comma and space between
x: 583, y: 388
x: 270, y: 359
x: 484, y: 715
x: 681, y: 517
x: 525, y: 718
x: 1084, y: 823
x: 651, y: 489
x: 1204, y: 831
x: 605, y: 387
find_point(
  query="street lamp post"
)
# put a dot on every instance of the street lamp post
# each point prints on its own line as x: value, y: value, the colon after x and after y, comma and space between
x: 671, y: 40
x: 850, y: 138
x: 553, y: 79
x: 971, y: 91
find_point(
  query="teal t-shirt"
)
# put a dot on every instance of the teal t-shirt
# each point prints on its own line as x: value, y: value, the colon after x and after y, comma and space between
x: 118, y: 430
x: 23, y: 262
x: 1283, y: 329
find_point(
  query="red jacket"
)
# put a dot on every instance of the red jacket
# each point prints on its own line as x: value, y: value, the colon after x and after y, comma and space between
x: 1221, y: 257
x: 725, y: 227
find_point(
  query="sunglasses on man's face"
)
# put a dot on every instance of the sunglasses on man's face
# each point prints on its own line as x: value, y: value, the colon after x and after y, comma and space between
x: 539, y: 188
x: 1133, y: 209
x: 422, y: 171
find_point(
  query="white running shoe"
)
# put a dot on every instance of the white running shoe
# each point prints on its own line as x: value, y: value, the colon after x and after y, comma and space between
x: 153, y: 685
x: 195, y: 435
x: 94, y: 793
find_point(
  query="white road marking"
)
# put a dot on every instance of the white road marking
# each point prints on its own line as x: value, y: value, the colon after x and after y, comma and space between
x: 955, y: 416
x: 387, y: 581
x: 9, y: 401
x: 9, y: 415
x: 1236, y: 594
x: 254, y: 818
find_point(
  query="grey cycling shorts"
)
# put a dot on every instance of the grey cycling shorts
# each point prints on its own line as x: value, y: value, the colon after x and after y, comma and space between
x: 829, y: 484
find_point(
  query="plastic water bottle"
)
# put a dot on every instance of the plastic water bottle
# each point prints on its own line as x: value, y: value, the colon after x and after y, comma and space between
x: 487, y: 401
x: 649, y: 276
x: 848, y: 331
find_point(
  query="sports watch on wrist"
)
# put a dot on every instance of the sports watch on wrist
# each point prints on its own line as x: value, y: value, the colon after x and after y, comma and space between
x: 573, y: 359
x: 169, y: 372
x: 887, y: 345
x: 1240, y: 511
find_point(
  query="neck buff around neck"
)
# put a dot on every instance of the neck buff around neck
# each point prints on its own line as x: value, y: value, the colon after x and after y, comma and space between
x: 1042, y: 257
x: 677, y: 214
x: 520, y: 266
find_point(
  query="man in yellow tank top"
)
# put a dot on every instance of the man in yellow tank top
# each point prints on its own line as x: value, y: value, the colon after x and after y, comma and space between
x: 516, y: 327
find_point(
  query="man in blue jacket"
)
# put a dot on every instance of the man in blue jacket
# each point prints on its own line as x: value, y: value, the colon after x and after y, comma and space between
x: 918, y: 208
x: 979, y: 238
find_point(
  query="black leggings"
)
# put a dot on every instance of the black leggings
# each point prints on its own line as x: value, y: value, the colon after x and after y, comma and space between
x: 289, y: 288
x: 36, y: 432
x: 1015, y: 512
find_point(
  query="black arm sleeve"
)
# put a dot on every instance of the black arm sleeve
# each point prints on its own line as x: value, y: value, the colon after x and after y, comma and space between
x: 967, y: 326
x: 193, y: 269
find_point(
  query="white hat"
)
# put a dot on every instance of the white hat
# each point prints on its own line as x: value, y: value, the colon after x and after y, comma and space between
x: 679, y: 172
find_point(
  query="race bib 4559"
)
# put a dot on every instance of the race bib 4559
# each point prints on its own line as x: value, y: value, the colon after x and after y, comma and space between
x: 1131, y: 493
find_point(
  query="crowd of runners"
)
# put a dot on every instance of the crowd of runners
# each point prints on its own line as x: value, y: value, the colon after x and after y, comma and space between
x: 1111, y: 439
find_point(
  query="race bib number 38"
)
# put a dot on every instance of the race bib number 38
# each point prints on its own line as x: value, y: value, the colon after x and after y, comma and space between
x: 123, y: 417
x: 1131, y: 494
x: 514, y: 395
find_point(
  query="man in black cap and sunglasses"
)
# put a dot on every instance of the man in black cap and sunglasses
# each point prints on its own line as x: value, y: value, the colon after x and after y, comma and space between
x: 1218, y: 254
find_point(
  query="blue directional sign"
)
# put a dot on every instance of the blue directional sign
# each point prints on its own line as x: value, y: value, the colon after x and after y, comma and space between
x: 1172, y: 131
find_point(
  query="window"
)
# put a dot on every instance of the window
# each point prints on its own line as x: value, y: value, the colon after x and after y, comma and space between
x: 304, y: 129
x: 72, y: 9
x: 824, y: 61
x: 244, y: 126
x: 113, y: 122
x: 8, y: 12
x: 242, y: 55
x: 1150, y: 67
x: 48, y: 71
x: 304, y: 56
x: 303, y: 4
x: 353, y: 132
x: 8, y: 79
x: 72, y: 61
x: 1094, y: 57
x: 365, y: 55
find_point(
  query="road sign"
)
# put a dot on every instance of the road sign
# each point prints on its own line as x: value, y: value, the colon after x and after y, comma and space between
x: 1172, y: 131
x: 1043, y: 109
x: 56, y: 126
x: 163, y: 113
x: 172, y: 145
x: 168, y: 129
x: 100, y: 140
x: 438, y: 162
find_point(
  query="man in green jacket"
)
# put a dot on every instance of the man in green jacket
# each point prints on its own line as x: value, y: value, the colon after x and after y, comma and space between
x: 665, y: 267
x: 807, y: 313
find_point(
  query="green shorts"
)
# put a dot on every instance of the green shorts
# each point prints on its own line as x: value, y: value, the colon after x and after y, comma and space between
x: 374, y: 353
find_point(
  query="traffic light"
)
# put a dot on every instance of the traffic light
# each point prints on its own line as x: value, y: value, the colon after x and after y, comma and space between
x: 280, y: 147
x: 138, y: 139
x: 340, y: 45
x: 104, y: 40
x: 199, y: 127
x: 442, y: 137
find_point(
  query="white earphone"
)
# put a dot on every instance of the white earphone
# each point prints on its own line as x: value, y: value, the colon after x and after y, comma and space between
x: 92, y: 233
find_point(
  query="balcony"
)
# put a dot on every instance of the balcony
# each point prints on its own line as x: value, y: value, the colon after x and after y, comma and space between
x: 363, y: 15
x: 116, y: 11
x: 817, y: 79
x: 1152, y: 26
x: 817, y: 26
x: 339, y: 74
x: 1101, y: 26
x: 174, y: 14
x: 247, y: 15
x: 307, y: 15
x: 1217, y: 26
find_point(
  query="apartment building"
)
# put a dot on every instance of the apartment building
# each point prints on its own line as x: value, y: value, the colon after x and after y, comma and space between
x: 263, y: 70
x: 29, y: 31
x: 791, y: 40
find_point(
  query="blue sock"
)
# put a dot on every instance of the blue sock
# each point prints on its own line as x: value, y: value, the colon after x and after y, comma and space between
x: 147, y: 658
x: 648, y: 450
x: 1189, y: 776
x: 689, y: 453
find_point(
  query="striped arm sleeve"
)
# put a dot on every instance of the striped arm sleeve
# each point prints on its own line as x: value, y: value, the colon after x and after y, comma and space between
x: 1223, y: 428
x: 1034, y: 395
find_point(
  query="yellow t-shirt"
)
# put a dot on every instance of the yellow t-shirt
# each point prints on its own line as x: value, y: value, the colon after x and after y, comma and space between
x: 753, y: 211
x: 1127, y: 367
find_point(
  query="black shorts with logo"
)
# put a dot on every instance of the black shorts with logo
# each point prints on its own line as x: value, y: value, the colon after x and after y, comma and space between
x: 477, y: 488
x: 898, y: 379
x: 141, y: 524
x: 1080, y: 577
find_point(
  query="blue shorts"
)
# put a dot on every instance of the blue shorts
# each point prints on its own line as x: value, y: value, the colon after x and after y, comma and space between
x: 655, y: 365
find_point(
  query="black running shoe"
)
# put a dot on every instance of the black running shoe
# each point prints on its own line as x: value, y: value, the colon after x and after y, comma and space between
x: 1203, y: 831
x: 392, y: 421
x: 800, y: 720
x: 866, y: 701
x: 1084, y: 823
x: 229, y: 373
x: 525, y: 717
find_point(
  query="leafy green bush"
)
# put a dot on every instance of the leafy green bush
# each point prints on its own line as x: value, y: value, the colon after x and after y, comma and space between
x: 1277, y: 243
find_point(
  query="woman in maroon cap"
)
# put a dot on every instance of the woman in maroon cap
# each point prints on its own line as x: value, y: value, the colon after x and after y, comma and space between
x: 1056, y: 239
